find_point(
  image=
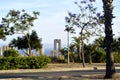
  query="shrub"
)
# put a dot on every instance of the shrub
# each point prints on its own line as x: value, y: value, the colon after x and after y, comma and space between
x: 24, y: 62
x: 5, y: 63
x: 57, y: 60
x: 99, y: 56
x: 10, y: 53
x: 116, y: 57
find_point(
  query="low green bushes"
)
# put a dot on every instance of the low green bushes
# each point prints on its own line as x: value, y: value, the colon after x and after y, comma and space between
x: 57, y: 60
x: 24, y: 62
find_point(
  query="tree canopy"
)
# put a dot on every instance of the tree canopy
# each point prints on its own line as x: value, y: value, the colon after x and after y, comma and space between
x: 87, y: 20
x: 21, y: 42
x: 19, y: 22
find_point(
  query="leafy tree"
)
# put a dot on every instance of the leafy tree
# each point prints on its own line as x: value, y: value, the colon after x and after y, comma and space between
x: 19, y: 22
x: 87, y: 20
x: 64, y: 52
x: 108, y: 8
x: 2, y: 34
x: 35, y: 42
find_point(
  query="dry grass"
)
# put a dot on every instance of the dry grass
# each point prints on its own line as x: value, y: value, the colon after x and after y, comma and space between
x: 75, y: 65
x: 86, y: 77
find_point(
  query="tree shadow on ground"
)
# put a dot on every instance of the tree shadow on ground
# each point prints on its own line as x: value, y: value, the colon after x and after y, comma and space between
x: 98, y: 76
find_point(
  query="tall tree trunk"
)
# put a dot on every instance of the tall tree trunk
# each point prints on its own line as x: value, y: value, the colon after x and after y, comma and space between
x: 79, y: 52
x: 110, y: 68
x: 90, y: 58
x: 29, y: 49
x: 29, y: 46
x: 83, y: 58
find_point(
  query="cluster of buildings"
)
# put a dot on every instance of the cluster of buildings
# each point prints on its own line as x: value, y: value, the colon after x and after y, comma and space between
x: 4, y: 48
x: 21, y: 52
x: 54, y: 53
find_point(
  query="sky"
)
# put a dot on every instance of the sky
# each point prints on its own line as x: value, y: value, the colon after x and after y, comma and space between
x: 51, y: 22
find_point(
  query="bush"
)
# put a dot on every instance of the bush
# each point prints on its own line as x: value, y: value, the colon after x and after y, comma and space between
x: 24, y: 62
x: 116, y: 57
x: 57, y: 60
x: 99, y: 56
x: 10, y: 53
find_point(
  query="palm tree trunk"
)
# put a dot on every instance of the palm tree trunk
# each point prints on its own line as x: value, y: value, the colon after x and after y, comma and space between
x: 79, y: 53
x: 68, y: 48
x: 83, y: 58
x: 90, y: 58
x: 82, y: 50
x: 110, y: 68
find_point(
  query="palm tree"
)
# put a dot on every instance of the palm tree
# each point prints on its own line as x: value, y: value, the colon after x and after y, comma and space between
x: 64, y: 52
x: 108, y: 8
x: 76, y: 42
x: 72, y: 52
x: 69, y: 30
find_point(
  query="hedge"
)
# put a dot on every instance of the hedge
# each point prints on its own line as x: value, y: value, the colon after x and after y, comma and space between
x: 24, y: 62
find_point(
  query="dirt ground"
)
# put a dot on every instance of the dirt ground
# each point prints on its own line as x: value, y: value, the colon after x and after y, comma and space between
x: 74, y: 65
x: 87, y: 65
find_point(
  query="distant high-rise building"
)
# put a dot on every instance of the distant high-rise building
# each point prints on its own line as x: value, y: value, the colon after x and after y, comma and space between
x: 57, y: 47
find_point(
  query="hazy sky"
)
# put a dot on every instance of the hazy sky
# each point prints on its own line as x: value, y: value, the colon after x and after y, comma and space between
x: 51, y: 22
